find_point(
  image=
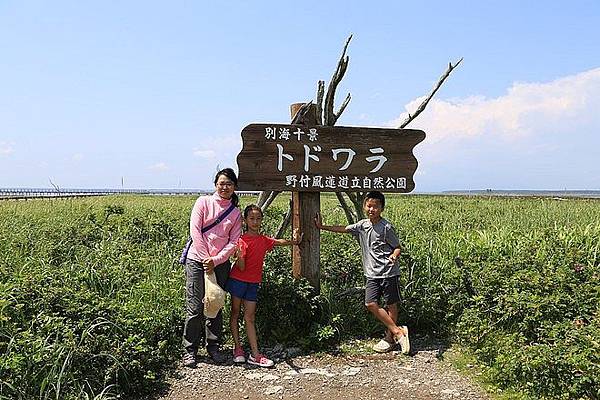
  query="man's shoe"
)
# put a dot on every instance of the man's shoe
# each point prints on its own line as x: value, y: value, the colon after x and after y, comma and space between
x: 189, y: 360
x: 383, y: 346
x: 216, y: 356
x: 403, y: 341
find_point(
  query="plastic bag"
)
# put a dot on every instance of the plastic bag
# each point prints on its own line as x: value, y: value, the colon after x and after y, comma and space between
x: 214, y: 296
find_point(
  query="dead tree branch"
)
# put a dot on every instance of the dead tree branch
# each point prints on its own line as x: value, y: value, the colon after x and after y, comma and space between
x: 300, y: 117
x: 349, y: 215
x: 342, y: 107
x: 271, y: 196
x: 329, y: 116
x: 284, y: 223
x: 320, y: 94
x: 262, y: 198
x: 357, y: 201
x: 421, y: 107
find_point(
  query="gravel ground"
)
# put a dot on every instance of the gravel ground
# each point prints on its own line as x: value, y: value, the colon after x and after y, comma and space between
x: 362, y: 375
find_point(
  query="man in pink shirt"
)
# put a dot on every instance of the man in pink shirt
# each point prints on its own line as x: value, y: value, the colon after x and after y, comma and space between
x: 215, y: 227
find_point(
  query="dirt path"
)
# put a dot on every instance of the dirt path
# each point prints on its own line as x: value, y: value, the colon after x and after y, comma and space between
x: 364, y: 375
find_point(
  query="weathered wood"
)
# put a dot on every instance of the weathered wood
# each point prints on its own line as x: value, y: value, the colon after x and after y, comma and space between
x: 305, y: 205
x: 328, y: 115
x: 320, y: 94
x: 305, y: 256
x: 319, y: 159
x: 349, y: 215
x: 285, y: 222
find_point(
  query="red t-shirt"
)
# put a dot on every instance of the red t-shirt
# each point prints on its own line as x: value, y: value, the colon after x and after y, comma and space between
x: 253, y: 250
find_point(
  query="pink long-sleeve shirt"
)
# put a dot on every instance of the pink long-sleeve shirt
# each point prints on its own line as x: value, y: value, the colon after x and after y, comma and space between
x: 220, y: 241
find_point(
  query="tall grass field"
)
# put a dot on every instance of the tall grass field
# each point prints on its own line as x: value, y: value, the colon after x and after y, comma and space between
x: 92, y: 299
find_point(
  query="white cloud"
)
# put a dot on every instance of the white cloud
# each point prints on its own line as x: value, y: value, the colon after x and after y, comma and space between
x: 527, y: 109
x: 209, y: 154
x: 161, y: 166
x: 6, y: 148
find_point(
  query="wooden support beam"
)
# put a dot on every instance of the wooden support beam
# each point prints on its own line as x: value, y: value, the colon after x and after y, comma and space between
x: 305, y: 205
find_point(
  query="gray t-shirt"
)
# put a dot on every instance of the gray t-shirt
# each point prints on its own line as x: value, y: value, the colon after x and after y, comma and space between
x: 377, y: 242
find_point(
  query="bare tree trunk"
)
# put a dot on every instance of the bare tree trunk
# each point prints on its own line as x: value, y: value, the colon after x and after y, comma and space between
x: 326, y: 115
x: 285, y: 223
x: 349, y: 215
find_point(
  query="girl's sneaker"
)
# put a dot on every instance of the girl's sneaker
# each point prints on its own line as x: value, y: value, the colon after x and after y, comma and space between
x: 238, y: 355
x: 260, y: 360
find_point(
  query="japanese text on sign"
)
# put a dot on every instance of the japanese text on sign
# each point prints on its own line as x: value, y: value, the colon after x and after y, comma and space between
x: 313, y: 152
x: 325, y: 158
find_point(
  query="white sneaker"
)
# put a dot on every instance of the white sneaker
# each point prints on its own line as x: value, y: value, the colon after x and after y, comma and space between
x: 383, y: 346
x: 403, y: 341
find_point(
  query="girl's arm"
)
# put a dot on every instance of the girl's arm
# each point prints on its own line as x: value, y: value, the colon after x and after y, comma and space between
x: 296, y: 239
x: 332, y: 228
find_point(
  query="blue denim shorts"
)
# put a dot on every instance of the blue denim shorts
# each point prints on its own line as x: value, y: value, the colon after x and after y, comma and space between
x: 243, y: 290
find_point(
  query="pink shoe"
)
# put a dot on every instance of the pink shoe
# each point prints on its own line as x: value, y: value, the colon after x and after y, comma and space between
x: 238, y: 355
x: 260, y: 360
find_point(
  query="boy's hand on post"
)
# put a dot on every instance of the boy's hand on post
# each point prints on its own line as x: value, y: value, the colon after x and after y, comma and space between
x: 392, y: 258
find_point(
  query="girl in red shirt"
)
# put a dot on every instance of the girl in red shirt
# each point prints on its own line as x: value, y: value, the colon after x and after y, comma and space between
x: 244, y: 280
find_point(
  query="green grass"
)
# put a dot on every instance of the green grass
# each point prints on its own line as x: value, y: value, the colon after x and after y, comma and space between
x: 91, y: 298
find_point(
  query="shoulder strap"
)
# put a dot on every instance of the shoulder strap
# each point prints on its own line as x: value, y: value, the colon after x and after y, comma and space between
x: 219, y: 219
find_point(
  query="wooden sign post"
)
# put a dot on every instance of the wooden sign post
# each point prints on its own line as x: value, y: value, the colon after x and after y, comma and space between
x: 307, y: 160
x: 305, y: 205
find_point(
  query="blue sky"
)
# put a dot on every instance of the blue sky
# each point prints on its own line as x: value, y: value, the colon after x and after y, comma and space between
x: 157, y: 93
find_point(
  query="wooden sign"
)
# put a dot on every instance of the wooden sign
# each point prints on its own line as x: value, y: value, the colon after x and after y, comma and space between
x: 327, y: 159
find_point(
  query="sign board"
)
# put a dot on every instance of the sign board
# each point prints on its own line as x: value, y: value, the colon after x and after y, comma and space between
x: 327, y: 158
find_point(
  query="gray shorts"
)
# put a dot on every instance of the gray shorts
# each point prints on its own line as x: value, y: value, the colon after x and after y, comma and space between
x: 388, y: 287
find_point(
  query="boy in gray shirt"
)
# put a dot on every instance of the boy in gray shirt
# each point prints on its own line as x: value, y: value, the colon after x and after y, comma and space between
x: 380, y: 249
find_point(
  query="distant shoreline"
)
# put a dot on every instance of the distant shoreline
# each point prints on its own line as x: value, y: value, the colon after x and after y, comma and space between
x: 526, y: 193
x: 16, y: 193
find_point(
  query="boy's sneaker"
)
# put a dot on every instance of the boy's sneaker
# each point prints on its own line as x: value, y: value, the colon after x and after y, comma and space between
x: 403, y: 341
x: 189, y: 360
x: 383, y: 346
x: 238, y: 355
x: 260, y: 360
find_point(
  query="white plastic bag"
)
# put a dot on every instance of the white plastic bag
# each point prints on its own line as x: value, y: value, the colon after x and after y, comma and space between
x: 214, y: 296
